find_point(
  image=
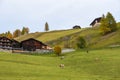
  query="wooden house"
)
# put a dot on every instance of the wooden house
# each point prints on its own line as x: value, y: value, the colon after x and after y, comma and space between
x: 15, y: 44
x: 96, y: 22
x: 5, y: 43
x: 76, y: 27
x: 32, y: 45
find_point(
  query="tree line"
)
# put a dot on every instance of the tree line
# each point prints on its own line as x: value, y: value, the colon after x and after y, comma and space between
x: 16, y: 33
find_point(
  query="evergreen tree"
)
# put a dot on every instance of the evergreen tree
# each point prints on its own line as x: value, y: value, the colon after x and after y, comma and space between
x: 46, y: 27
x: 111, y: 22
x: 25, y: 30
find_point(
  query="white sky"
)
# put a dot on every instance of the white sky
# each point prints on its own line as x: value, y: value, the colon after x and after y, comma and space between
x: 60, y: 14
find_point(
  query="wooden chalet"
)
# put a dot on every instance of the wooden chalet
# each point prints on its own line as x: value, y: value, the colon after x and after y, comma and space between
x: 5, y: 43
x: 26, y: 45
x: 96, y: 21
x: 32, y: 44
x: 15, y: 44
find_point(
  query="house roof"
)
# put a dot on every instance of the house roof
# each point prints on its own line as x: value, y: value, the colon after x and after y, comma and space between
x: 34, y: 40
x: 9, y: 39
x: 5, y: 38
x: 15, y: 40
x: 94, y: 21
x: 76, y: 26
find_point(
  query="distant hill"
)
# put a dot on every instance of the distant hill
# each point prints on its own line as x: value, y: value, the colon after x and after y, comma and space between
x: 66, y: 38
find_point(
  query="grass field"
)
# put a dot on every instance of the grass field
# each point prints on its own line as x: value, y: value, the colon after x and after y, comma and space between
x: 48, y: 36
x: 103, y: 64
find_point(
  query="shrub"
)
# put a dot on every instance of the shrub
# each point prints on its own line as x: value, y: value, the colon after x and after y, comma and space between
x: 81, y: 43
x: 57, y: 50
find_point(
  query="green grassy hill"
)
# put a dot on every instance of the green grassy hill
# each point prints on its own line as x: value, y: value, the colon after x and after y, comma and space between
x: 48, y: 36
x: 67, y: 38
x: 96, y: 65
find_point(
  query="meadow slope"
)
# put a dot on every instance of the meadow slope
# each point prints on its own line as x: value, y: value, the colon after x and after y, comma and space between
x: 48, y: 36
x: 62, y: 38
x: 96, y: 65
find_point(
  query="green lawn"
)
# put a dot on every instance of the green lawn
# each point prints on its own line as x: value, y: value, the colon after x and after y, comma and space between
x: 101, y: 64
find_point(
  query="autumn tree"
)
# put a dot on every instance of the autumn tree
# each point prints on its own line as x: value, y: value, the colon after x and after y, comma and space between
x: 16, y: 33
x: 27, y: 30
x: 9, y: 35
x: 3, y: 34
x: 46, y: 27
x: 108, y: 24
x: 57, y: 50
x: 104, y: 26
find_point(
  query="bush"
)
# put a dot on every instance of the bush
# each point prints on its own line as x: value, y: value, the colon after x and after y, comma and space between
x: 81, y: 43
x: 57, y: 50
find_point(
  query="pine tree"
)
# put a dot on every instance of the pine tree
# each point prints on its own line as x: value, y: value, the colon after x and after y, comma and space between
x: 46, y: 27
x: 111, y: 22
x: 25, y: 30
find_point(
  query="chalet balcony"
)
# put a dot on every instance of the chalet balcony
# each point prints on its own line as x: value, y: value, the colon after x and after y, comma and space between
x: 5, y: 47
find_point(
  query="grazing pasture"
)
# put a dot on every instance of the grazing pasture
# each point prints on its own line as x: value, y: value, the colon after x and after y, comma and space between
x: 101, y: 64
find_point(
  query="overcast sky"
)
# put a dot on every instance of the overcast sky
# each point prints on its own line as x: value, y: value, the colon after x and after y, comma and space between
x: 60, y: 14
